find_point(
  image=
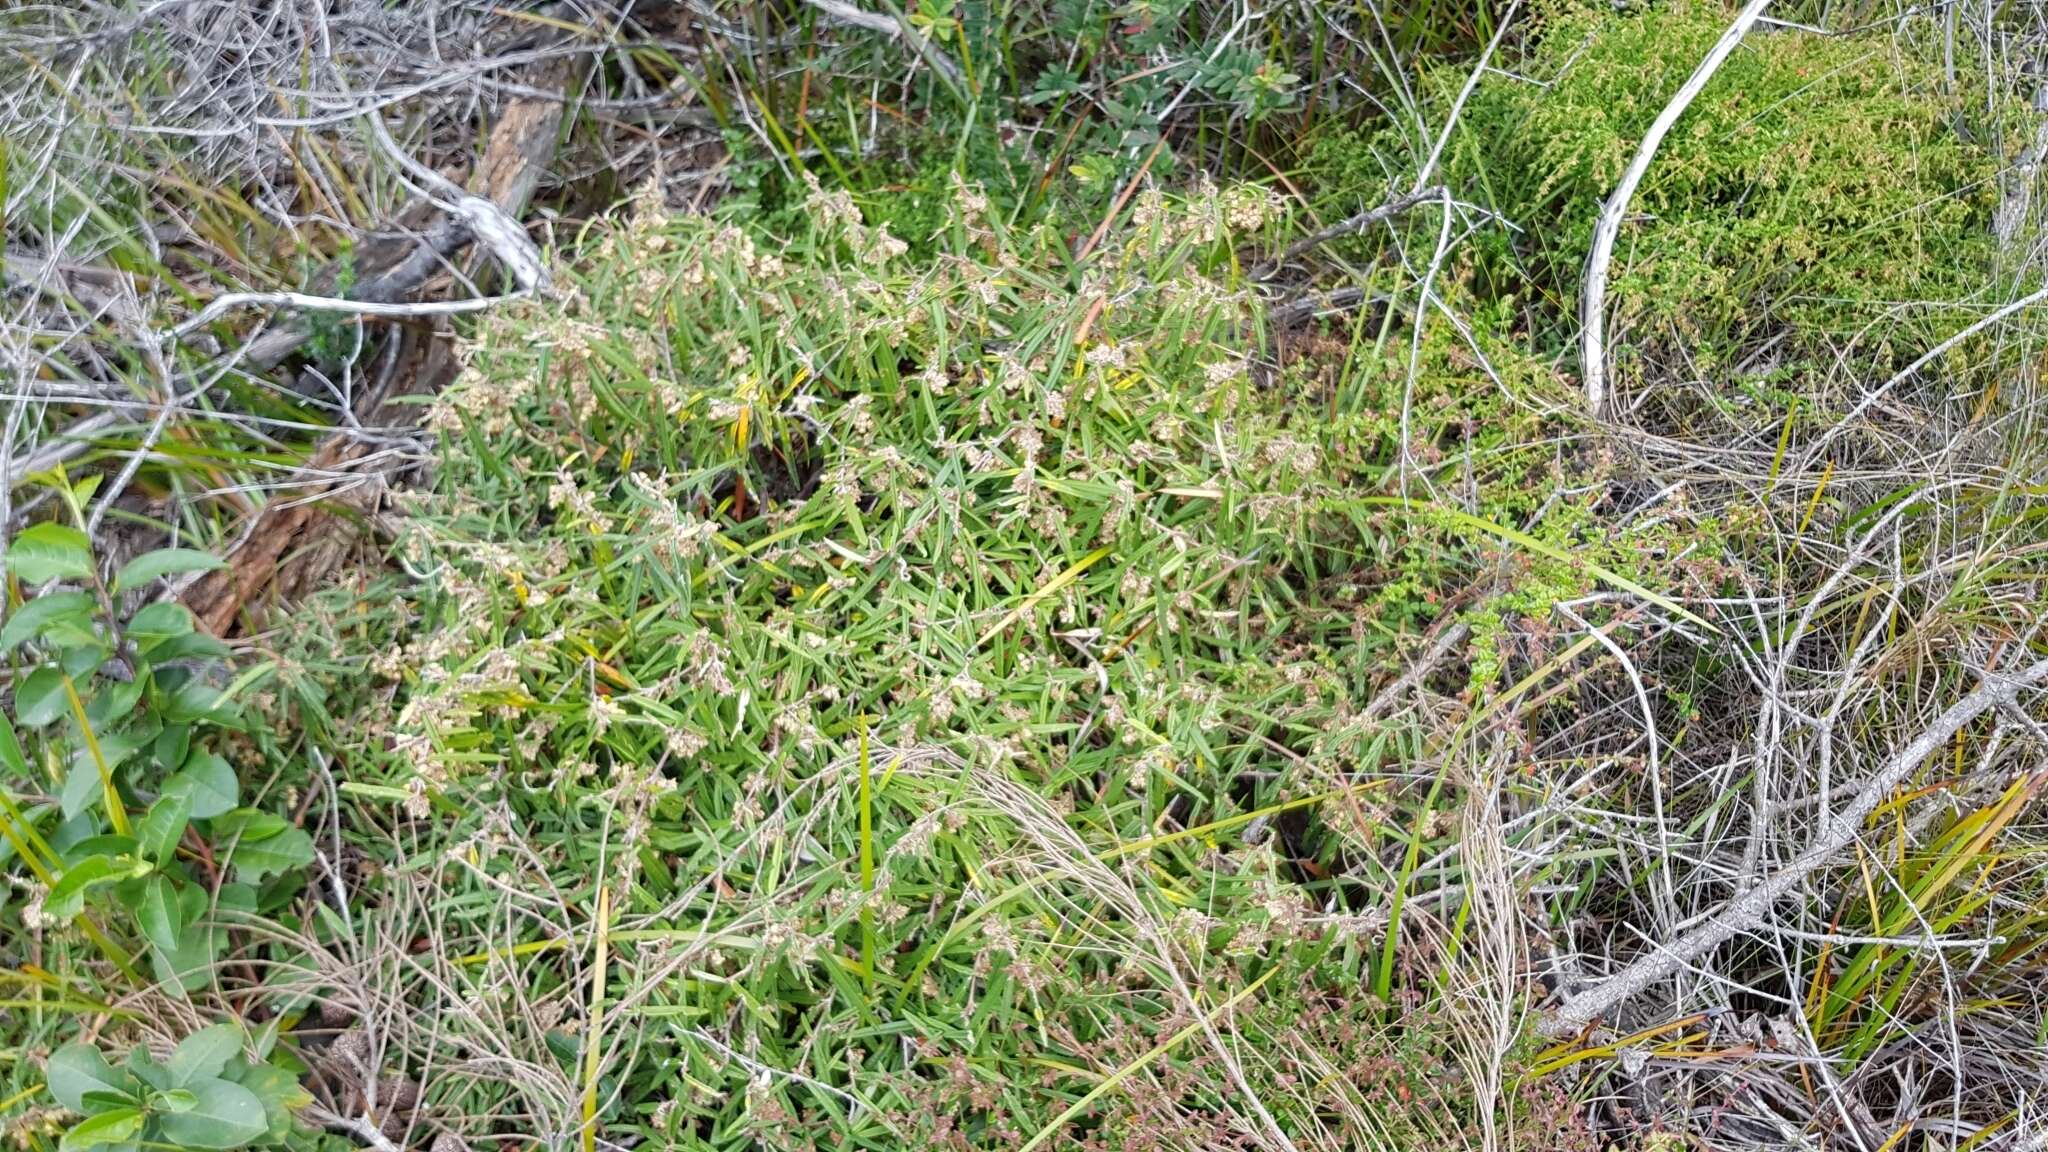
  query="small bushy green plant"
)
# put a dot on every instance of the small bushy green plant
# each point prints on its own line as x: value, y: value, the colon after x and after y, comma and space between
x: 127, y: 841
x: 905, y: 645
x: 207, y: 1094
x: 116, y: 709
x: 1824, y: 194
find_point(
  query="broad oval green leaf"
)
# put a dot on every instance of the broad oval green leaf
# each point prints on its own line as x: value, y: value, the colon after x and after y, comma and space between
x: 160, y: 621
x: 172, y: 743
x: 50, y: 551
x: 44, y: 613
x: 157, y: 911
x: 190, y: 964
x: 76, y: 1069
x: 224, y: 1115
x: 162, y: 827
x: 280, y: 1092
x: 213, y: 785
x: 163, y: 562
x: 114, y: 1126
x: 203, y: 1054
x: 40, y: 698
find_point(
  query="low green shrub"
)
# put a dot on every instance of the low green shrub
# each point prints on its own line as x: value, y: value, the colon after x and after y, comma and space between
x: 1824, y: 196
x: 908, y: 654
x: 131, y: 850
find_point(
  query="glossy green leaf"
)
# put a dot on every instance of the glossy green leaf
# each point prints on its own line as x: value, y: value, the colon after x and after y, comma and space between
x: 76, y: 1069
x: 163, y: 562
x: 44, y: 613
x: 40, y: 698
x: 114, y: 1126
x: 203, y: 1054
x: 49, y: 552
x: 224, y: 1116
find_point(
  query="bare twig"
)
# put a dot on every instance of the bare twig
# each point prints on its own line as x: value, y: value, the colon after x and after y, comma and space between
x: 1928, y: 357
x: 1288, y: 313
x: 1593, y: 341
x: 1747, y: 912
x: 492, y: 226
x: 1350, y: 226
x: 896, y: 28
x: 363, y: 1129
x: 221, y: 305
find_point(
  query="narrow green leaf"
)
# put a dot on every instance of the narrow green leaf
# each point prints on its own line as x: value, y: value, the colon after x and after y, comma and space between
x: 10, y: 749
x: 163, y: 562
x: 67, y: 895
x: 81, y: 786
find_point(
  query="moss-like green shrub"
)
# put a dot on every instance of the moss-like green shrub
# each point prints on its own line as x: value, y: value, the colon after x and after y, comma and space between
x: 1816, y: 197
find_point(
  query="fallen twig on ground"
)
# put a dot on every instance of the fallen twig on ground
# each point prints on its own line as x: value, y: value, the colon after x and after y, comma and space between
x: 520, y: 147
x: 1748, y: 911
x: 1350, y: 226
